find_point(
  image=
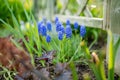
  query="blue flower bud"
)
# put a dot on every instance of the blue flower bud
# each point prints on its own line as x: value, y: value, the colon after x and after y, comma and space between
x: 82, y: 30
x: 49, y: 25
x: 68, y: 31
x: 43, y: 30
x: 60, y: 35
x: 48, y: 38
x: 76, y: 25
x: 68, y: 22
x: 56, y: 20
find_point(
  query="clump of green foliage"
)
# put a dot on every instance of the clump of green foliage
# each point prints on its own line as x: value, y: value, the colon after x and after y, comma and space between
x: 17, y: 9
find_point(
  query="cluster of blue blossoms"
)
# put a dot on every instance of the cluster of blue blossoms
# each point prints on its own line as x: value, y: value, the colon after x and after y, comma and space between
x: 43, y: 27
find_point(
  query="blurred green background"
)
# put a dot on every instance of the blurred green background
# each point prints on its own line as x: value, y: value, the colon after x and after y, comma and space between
x: 95, y: 6
x: 17, y: 8
x: 37, y: 6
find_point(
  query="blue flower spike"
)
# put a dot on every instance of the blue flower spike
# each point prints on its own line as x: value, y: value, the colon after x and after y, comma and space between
x: 82, y: 30
x: 39, y: 26
x: 58, y: 26
x: 62, y: 29
x: 56, y: 19
x: 60, y: 35
x: 68, y: 22
x: 43, y: 30
x: 49, y: 26
x: 68, y: 31
x: 48, y: 39
x: 76, y: 25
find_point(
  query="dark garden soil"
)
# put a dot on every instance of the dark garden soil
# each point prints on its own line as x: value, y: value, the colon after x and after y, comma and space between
x: 60, y: 71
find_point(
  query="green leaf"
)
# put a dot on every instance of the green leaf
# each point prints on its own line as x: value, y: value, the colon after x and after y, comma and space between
x: 116, y: 46
x: 74, y: 72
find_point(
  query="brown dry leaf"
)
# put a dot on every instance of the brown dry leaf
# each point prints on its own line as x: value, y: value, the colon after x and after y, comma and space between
x: 66, y: 75
x: 60, y: 67
x: 62, y: 72
x: 11, y: 57
x: 45, y: 72
x: 34, y: 75
x: 48, y: 56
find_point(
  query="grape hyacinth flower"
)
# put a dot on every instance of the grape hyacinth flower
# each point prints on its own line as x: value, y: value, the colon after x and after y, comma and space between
x: 49, y: 25
x: 39, y: 26
x: 48, y: 38
x: 60, y: 35
x: 43, y: 30
x: 62, y: 29
x: 58, y: 26
x: 82, y: 30
x: 76, y: 25
x: 68, y: 22
x: 68, y: 31
x: 56, y: 20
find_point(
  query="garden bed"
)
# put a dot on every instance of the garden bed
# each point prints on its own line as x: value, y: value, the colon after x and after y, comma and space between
x: 62, y: 71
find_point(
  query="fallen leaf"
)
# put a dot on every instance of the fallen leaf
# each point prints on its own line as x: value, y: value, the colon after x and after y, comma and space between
x: 65, y: 75
x: 48, y: 56
x: 62, y: 72
x: 60, y: 67
x: 13, y: 58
